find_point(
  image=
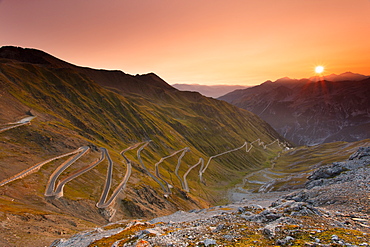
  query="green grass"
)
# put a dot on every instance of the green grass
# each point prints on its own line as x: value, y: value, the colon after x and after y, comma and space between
x: 74, y: 110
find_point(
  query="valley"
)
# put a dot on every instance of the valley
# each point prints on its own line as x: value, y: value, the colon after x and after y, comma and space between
x: 56, y: 191
x: 81, y: 148
x: 329, y: 210
x: 109, y: 110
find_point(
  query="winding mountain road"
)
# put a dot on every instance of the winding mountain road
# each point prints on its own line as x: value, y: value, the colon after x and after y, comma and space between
x: 247, y: 149
x: 35, y: 168
x: 59, y: 189
x: 103, y: 202
x: 146, y: 169
x: 22, y: 122
x: 54, y: 176
x: 201, y: 161
x: 169, y: 186
x: 178, y: 167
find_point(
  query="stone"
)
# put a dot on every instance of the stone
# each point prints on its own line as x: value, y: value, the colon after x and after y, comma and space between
x: 329, y: 171
x: 285, y: 241
x: 209, y: 242
x: 228, y: 237
x: 219, y: 228
x: 142, y: 243
x: 150, y: 231
x: 241, y: 209
x: 334, y: 238
x: 361, y: 152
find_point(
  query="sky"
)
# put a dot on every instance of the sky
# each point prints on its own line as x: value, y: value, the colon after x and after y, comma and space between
x: 209, y: 42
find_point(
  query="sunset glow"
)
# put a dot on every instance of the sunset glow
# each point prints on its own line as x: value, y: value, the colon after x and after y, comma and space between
x: 319, y: 69
x: 205, y: 42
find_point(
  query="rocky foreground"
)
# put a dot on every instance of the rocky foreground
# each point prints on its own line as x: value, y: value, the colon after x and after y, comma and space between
x: 332, y: 210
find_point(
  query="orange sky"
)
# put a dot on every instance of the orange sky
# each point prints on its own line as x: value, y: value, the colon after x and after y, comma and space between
x: 241, y: 42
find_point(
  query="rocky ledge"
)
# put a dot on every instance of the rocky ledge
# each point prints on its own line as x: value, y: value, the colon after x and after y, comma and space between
x: 333, y: 210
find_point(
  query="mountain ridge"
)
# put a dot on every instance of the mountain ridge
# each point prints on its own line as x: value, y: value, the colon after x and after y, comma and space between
x: 76, y: 107
x: 310, y: 112
x: 106, y: 78
x: 213, y: 91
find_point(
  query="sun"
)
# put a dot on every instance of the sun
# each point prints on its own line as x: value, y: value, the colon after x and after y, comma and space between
x: 319, y: 69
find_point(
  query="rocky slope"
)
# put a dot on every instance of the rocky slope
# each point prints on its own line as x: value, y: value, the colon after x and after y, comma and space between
x: 333, y: 210
x: 311, y: 111
x: 76, y: 106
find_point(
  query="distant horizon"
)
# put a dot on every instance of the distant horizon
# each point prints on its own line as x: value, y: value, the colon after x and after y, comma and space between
x: 321, y: 75
x: 201, y: 42
x: 227, y: 85
x: 194, y: 83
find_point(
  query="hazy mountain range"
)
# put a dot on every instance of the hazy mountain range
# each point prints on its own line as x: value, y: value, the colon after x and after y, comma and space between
x: 347, y: 76
x: 213, y: 91
x: 311, y: 111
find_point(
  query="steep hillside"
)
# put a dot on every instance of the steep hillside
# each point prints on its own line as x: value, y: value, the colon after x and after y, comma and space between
x: 78, y: 107
x: 310, y: 112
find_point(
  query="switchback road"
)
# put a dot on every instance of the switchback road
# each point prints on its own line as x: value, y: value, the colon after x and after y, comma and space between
x: 59, y: 189
x: 24, y: 121
x: 35, y: 168
x: 169, y: 186
x: 102, y: 202
x: 54, y: 176
x: 247, y: 149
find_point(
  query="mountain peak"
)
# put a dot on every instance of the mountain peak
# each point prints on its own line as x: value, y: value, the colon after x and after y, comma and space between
x: 284, y: 78
x: 31, y: 55
x: 108, y: 78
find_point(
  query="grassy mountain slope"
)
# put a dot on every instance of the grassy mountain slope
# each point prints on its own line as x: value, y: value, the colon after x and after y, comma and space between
x: 77, y: 106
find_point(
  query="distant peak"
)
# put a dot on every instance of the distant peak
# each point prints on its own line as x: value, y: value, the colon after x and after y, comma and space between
x: 285, y: 80
x: 346, y: 76
x: 268, y: 81
x: 348, y: 73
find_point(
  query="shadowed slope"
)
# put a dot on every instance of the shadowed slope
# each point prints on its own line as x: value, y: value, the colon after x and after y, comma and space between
x: 311, y: 112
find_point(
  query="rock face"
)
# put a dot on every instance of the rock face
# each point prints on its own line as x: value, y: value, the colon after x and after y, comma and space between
x: 362, y: 152
x: 327, y: 171
x: 314, y: 216
x: 311, y: 111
